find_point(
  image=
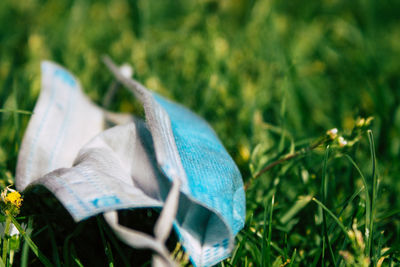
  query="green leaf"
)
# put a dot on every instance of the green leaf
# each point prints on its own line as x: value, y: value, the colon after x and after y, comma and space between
x: 296, y: 208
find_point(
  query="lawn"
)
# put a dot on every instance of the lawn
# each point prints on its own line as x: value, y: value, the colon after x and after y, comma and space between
x: 273, y: 78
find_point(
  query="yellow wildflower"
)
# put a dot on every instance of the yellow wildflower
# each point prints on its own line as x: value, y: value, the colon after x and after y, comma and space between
x: 11, y: 201
x: 14, y: 198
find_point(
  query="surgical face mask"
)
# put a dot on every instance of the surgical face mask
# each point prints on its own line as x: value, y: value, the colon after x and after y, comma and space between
x: 173, y: 161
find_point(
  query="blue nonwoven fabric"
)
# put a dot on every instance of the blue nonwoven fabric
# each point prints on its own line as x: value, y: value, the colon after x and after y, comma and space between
x: 213, y: 177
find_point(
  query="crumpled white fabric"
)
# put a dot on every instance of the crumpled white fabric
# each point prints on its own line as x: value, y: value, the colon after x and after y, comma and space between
x: 91, y: 168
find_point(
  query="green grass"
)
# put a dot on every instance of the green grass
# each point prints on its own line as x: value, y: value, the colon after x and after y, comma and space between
x: 271, y: 77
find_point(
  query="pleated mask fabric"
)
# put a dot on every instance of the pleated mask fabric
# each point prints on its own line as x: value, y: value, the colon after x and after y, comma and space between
x: 173, y: 161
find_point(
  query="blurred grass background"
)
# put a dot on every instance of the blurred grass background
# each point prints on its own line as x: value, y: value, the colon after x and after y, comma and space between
x: 256, y: 70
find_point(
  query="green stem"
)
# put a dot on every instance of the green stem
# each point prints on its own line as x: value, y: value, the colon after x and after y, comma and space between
x: 6, y: 237
x: 287, y: 157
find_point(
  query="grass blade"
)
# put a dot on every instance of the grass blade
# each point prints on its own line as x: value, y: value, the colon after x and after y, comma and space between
x: 324, y: 188
x: 18, y: 111
x: 56, y: 256
x: 292, y: 258
x: 332, y: 215
x: 236, y: 254
x: 67, y: 254
x: 266, y: 250
x: 106, y: 245
x: 367, y: 201
x: 238, y: 251
x: 264, y: 237
x: 344, y: 206
x: 31, y: 244
x: 299, y: 205
x: 75, y: 257
x: 115, y: 244
x: 369, y: 235
x: 270, y: 230
x: 25, y: 247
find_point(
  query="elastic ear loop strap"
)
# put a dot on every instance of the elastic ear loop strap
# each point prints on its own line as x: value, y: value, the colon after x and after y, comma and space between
x: 164, y: 223
x: 162, y: 229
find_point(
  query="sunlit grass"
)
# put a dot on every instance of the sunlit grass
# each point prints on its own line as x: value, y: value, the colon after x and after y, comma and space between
x: 271, y: 77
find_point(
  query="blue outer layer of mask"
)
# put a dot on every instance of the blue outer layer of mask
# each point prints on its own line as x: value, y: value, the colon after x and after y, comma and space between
x: 213, y: 178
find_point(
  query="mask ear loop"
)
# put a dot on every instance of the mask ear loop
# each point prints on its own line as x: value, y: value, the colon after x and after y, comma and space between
x: 127, y: 71
x: 162, y: 230
x: 163, y: 226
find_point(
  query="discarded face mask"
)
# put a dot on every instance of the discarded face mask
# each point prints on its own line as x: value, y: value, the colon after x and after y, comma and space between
x: 173, y: 161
